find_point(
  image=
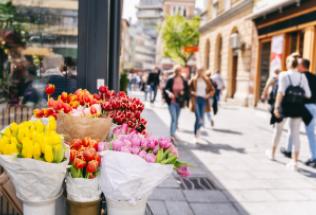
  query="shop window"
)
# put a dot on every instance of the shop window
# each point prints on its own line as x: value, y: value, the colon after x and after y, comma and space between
x: 264, y: 72
x: 295, y: 42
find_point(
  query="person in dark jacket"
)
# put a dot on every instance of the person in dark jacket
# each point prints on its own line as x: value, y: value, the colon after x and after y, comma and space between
x: 153, y: 81
x: 176, y: 95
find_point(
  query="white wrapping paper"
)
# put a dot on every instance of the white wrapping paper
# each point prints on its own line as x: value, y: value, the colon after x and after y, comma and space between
x: 83, y: 190
x: 127, y: 177
x: 35, y: 180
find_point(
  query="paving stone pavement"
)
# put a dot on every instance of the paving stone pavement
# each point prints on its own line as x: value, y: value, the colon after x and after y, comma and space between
x: 232, y: 157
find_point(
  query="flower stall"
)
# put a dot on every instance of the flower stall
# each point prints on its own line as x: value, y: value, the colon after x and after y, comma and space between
x: 88, y: 144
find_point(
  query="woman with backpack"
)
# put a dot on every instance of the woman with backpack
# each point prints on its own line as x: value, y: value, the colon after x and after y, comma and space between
x: 201, y: 91
x: 176, y: 95
x: 293, y: 88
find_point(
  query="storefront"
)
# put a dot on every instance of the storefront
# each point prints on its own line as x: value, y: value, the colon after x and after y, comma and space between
x: 283, y: 28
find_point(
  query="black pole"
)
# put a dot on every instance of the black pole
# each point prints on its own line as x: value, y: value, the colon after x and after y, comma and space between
x: 115, y: 40
x: 93, y: 43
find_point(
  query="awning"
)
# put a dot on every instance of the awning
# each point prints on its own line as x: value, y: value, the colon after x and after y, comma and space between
x: 270, y: 7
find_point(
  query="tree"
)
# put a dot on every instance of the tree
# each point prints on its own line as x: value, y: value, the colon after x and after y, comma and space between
x: 178, y: 33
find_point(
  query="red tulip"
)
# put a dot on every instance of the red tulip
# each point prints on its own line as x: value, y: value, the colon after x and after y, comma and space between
x: 72, y: 155
x: 92, y: 166
x: 38, y: 113
x: 89, y: 154
x: 64, y: 97
x: 79, y: 163
x: 76, y: 144
x: 50, y: 89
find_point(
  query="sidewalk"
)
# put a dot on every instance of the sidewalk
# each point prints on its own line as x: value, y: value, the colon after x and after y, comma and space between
x: 232, y: 157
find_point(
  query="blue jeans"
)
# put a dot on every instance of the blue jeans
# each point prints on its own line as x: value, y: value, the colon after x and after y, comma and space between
x: 199, y: 108
x: 310, y: 132
x: 174, y: 110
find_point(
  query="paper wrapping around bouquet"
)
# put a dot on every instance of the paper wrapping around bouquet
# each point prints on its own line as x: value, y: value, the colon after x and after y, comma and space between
x: 127, y: 177
x: 82, y: 189
x: 73, y: 127
x: 35, y: 180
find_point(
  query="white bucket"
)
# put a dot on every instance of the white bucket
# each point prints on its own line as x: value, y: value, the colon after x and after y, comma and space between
x: 125, y: 208
x: 47, y: 207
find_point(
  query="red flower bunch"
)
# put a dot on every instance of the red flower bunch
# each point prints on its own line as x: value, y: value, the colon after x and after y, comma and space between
x: 125, y: 110
x: 84, y: 158
x: 66, y: 102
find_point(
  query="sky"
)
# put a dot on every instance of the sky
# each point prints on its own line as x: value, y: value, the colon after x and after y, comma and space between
x: 129, y: 10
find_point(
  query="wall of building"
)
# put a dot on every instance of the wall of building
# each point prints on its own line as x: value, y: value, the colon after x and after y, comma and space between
x: 221, y: 30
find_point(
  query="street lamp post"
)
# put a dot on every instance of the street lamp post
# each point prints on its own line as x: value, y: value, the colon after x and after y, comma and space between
x: 98, y: 43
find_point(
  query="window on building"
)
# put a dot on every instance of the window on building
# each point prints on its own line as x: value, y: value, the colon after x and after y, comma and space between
x: 207, y: 55
x: 294, y: 42
x: 184, y: 12
x: 214, y: 10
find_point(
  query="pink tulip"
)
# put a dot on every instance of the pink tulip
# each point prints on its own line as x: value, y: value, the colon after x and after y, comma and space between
x: 117, y: 145
x: 135, y: 150
x: 155, y: 151
x: 135, y: 141
x: 142, y: 154
x: 165, y: 143
x: 183, y: 171
x: 151, y: 143
x: 103, y: 146
x: 173, y: 150
x: 150, y: 158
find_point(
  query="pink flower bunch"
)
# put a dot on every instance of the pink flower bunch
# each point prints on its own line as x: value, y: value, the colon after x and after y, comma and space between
x: 152, y: 150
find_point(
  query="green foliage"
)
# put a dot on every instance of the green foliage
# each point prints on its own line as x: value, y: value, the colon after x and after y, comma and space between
x: 179, y: 32
x: 124, y: 81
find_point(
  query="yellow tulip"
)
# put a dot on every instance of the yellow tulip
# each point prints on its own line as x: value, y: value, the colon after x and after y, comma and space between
x: 37, y: 151
x: 14, y: 128
x: 52, y: 125
x: 27, y: 148
x: 7, y: 132
x: 48, y: 155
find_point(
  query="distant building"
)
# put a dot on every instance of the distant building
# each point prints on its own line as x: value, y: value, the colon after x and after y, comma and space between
x: 142, y: 47
x: 144, y: 33
x: 226, y: 45
x: 126, y: 52
x: 171, y: 8
x: 54, y: 25
x: 149, y: 15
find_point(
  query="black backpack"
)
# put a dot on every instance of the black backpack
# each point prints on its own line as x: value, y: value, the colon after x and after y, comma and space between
x: 294, y: 95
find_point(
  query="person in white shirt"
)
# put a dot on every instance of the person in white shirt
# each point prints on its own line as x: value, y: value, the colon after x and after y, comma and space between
x: 201, y: 90
x: 292, y: 110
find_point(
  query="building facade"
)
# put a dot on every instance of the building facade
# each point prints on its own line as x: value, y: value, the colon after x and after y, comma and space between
x: 142, y: 49
x: 150, y: 15
x: 226, y: 45
x: 283, y: 27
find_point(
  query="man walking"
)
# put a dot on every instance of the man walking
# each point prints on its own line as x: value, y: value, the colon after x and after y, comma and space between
x: 153, y: 81
x: 310, y: 104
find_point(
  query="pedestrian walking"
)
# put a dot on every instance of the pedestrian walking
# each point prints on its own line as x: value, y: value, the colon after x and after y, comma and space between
x: 310, y: 104
x: 201, y: 90
x: 176, y: 95
x: 292, y: 90
x: 153, y: 81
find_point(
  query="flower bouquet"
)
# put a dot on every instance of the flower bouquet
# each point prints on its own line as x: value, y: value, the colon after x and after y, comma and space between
x: 33, y: 155
x: 82, y: 182
x: 78, y: 114
x: 132, y: 166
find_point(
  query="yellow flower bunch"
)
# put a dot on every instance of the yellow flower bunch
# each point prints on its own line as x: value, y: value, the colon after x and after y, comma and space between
x: 33, y: 139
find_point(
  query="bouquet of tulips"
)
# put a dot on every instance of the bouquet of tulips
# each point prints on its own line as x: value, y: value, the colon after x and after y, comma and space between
x: 34, y: 156
x: 82, y: 182
x: 134, y: 164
